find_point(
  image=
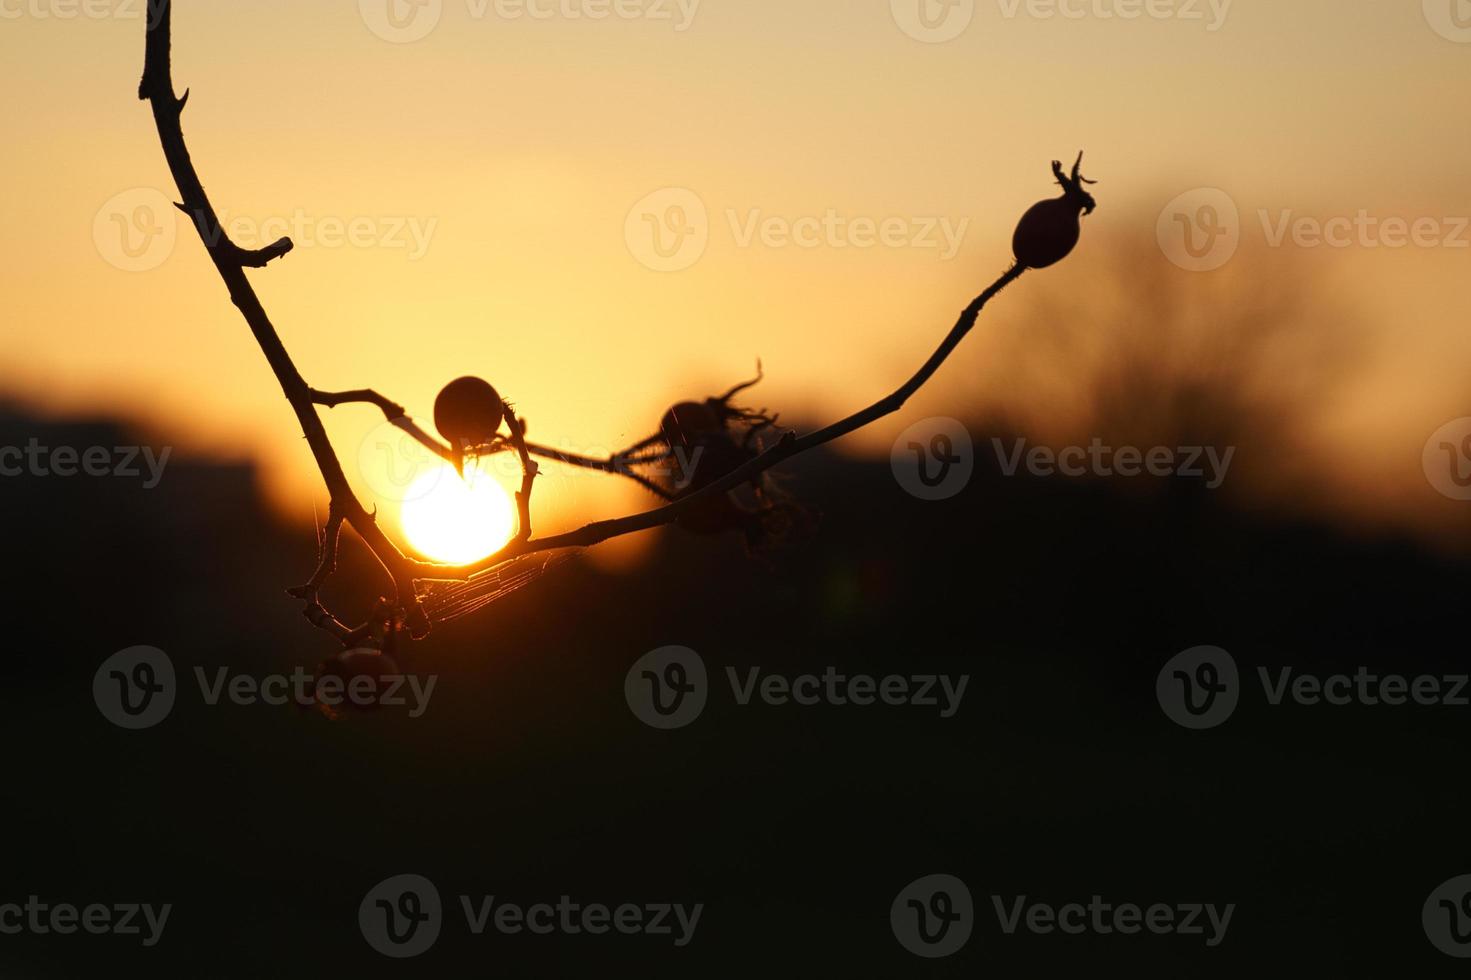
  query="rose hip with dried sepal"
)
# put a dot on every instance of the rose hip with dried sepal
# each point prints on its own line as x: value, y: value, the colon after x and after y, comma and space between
x: 1050, y: 229
x: 711, y: 439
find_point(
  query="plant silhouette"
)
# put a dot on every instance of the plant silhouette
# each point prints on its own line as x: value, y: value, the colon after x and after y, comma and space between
x: 422, y: 591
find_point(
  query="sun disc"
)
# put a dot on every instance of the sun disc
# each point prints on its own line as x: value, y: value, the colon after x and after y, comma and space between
x: 456, y: 520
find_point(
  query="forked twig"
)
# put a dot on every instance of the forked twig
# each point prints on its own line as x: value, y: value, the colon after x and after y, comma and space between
x: 404, y: 572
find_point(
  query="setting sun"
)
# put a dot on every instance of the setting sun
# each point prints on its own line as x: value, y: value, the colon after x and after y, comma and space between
x: 457, y: 520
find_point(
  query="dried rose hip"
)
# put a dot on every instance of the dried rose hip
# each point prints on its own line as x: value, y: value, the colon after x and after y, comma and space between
x: 1050, y: 229
x: 468, y: 413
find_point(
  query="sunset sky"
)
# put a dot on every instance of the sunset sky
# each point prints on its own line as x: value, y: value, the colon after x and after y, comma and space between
x: 462, y: 205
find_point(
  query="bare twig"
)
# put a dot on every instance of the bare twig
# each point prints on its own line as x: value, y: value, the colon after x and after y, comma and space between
x: 788, y: 446
x: 231, y: 261
x: 393, y: 411
x: 326, y: 558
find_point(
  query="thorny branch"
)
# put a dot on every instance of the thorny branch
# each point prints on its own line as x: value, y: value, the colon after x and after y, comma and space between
x: 403, y: 604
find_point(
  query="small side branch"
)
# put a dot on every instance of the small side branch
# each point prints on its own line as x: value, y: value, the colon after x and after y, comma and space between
x: 326, y: 558
x: 331, y: 399
x: 392, y: 411
x: 644, y: 453
x: 788, y: 446
x: 529, y: 470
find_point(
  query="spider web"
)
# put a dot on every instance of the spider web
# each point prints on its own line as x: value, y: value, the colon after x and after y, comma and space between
x: 444, y: 601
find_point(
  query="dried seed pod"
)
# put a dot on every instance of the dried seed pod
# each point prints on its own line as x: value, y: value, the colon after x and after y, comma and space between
x: 1050, y: 229
x: 700, y: 436
x: 709, y: 440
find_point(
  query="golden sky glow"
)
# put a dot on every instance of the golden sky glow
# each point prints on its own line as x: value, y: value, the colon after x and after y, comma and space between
x: 461, y: 206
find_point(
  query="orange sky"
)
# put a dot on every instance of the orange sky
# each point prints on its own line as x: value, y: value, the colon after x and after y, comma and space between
x: 462, y: 202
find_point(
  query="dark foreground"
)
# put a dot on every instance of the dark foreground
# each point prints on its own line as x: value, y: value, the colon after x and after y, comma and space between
x: 528, y: 778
